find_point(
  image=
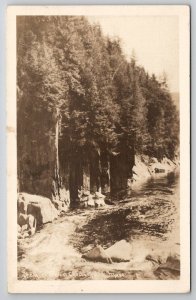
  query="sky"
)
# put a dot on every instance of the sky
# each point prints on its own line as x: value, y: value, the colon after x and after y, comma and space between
x: 153, y: 39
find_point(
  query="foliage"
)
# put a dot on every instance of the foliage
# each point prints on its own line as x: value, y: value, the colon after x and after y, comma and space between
x: 66, y: 67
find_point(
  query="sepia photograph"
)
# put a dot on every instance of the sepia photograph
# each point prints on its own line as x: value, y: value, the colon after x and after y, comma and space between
x: 98, y: 129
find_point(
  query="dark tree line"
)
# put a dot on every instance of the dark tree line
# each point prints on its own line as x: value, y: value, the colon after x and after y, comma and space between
x: 84, y: 110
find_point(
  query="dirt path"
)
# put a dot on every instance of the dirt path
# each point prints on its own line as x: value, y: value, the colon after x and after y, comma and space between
x: 48, y: 250
x: 149, y: 221
x: 56, y: 253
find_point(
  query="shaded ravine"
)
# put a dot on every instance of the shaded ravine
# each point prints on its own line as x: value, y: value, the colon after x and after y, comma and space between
x: 148, y: 219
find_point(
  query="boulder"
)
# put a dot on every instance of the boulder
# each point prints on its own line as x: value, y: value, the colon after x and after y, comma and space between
x: 99, y: 202
x: 99, y: 199
x: 170, y: 269
x: 120, y: 251
x: 91, y: 201
x: 97, y: 254
x: 44, y: 211
x: 40, y: 207
x: 99, y: 195
x: 65, y: 198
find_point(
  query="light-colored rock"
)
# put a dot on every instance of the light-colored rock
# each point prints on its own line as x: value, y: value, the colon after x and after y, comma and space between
x: 91, y: 201
x: 120, y: 251
x: 40, y: 207
x: 99, y: 202
x: 99, y: 199
x: 97, y: 254
x: 65, y: 198
x: 99, y: 195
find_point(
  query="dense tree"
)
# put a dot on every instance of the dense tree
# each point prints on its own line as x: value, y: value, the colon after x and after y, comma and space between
x: 84, y: 108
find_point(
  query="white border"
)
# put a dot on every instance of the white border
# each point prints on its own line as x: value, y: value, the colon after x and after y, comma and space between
x: 104, y: 286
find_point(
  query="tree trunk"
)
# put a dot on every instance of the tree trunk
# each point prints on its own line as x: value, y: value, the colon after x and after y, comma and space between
x: 75, y: 176
x: 121, y: 167
x: 86, y: 174
x: 57, y: 181
x: 105, y: 172
x: 95, y: 172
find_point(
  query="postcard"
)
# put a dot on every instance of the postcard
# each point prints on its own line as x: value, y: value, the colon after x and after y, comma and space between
x: 98, y: 149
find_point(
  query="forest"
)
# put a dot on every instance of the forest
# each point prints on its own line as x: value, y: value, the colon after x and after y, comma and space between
x: 84, y: 110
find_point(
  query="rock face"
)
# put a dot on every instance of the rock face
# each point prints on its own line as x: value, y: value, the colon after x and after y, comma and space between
x: 120, y: 251
x: 146, y: 167
x: 97, y: 254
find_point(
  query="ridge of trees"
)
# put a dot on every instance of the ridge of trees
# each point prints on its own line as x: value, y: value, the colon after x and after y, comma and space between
x: 69, y: 73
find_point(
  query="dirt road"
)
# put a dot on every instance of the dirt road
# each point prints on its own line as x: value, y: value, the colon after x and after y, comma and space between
x: 148, y: 220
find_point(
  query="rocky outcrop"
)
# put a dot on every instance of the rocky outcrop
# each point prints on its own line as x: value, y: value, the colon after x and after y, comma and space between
x: 40, y: 207
x: 33, y: 212
x: 146, y: 167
